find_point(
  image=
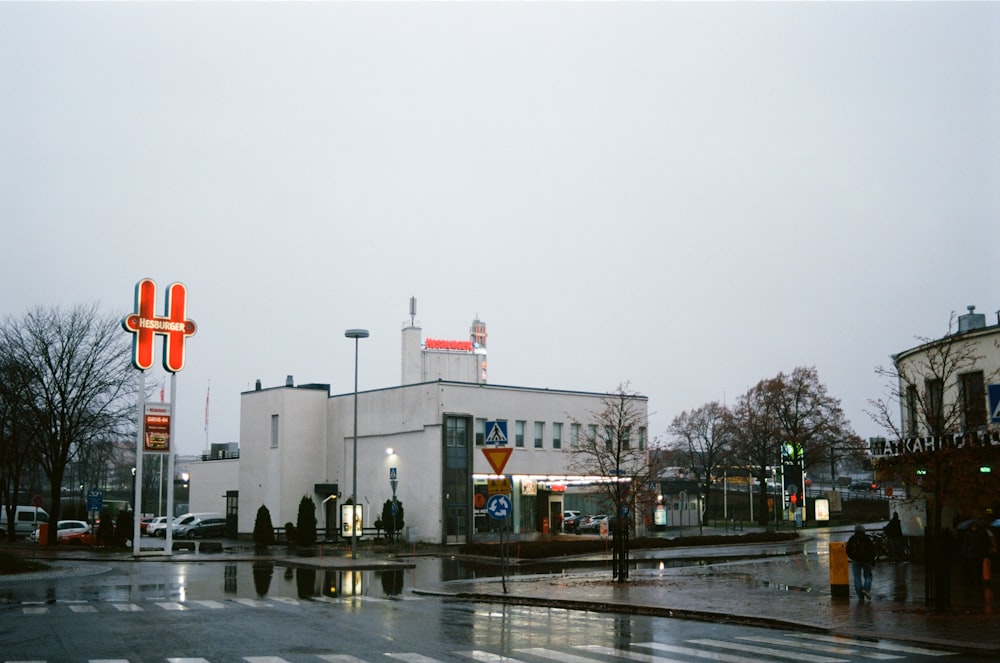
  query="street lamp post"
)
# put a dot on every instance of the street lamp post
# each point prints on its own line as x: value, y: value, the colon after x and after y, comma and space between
x: 356, y: 334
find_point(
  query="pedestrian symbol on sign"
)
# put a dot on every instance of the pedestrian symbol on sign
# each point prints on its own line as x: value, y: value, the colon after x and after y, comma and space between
x: 496, y: 432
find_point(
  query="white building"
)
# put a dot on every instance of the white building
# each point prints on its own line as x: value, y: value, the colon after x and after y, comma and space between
x: 298, y: 441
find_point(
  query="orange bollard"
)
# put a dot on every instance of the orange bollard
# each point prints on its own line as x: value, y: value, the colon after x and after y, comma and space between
x: 840, y: 586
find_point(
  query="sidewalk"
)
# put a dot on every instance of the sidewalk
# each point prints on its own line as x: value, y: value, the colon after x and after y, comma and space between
x: 782, y: 589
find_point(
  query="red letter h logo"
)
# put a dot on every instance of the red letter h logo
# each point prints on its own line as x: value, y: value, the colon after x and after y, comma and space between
x: 144, y: 324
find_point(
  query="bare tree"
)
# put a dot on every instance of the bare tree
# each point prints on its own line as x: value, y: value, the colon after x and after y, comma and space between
x: 617, y: 451
x: 15, y: 453
x: 812, y: 421
x: 77, y: 384
x: 703, y: 439
x: 788, y: 416
x: 934, y: 444
x: 757, y: 434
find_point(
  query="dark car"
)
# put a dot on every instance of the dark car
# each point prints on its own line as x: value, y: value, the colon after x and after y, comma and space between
x: 864, y: 485
x: 591, y: 524
x: 201, y: 527
x: 571, y: 520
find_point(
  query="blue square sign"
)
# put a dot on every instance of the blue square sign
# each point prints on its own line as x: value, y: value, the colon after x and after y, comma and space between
x: 994, y: 394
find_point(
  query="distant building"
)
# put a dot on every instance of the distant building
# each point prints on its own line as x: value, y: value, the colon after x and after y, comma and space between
x: 298, y: 441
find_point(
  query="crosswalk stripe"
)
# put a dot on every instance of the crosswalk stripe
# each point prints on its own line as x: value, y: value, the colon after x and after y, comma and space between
x: 188, y: 660
x: 630, y: 655
x: 35, y: 610
x: 264, y: 659
x: 877, y: 644
x: 127, y: 607
x: 108, y: 660
x: 82, y: 608
x: 689, y: 651
x: 564, y: 657
x: 341, y: 658
x: 768, y: 651
x: 170, y: 605
x: 253, y: 603
x: 487, y: 657
x: 214, y: 605
x: 413, y: 658
x: 843, y: 651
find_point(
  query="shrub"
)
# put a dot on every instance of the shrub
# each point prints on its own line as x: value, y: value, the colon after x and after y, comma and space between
x: 392, y: 523
x: 106, y: 530
x: 305, y: 523
x: 263, y: 530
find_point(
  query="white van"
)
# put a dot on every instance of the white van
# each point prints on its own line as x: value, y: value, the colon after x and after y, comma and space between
x: 26, y: 519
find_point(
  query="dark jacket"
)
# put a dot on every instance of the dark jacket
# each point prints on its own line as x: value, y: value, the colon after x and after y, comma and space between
x: 860, y: 548
x: 894, y: 529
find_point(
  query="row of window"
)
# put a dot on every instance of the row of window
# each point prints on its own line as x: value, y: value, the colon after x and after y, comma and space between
x: 930, y: 406
x: 555, y: 440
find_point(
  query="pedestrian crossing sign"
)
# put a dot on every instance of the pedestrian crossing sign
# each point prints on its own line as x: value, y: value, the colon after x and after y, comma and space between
x: 994, y: 396
x: 496, y: 432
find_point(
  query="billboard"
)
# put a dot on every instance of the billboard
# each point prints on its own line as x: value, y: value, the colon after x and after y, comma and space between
x: 156, y: 428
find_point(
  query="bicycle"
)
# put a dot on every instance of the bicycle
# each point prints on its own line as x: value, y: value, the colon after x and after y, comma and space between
x: 883, y: 548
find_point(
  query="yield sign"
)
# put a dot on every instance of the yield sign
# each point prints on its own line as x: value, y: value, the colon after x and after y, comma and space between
x: 497, y: 457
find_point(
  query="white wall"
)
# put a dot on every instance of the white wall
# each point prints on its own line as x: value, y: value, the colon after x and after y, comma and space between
x: 208, y: 482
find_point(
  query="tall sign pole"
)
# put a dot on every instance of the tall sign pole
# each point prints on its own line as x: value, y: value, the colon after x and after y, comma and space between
x: 157, y: 427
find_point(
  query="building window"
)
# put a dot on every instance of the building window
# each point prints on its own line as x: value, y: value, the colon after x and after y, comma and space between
x: 912, y: 411
x: 274, y: 431
x: 557, y: 435
x: 456, y: 431
x: 574, y: 436
x: 480, y: 432
x: 972, y: 390
x: 592, y: 435
x: 642, y: 438
x: 539, y: 434
x: 519, y: 434
x: 935, y: 406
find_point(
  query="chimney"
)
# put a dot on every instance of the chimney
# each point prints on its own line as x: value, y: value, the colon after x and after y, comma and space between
x: 289, y: 381
x: 257, y: 386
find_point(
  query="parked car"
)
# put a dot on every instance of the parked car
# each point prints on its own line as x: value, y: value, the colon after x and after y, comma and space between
x: 144, y: 523
x: 591, y: 524
x: 157, y: 526
x: 182, y: 523
x: 571, y: 519
x: 67, y: 531
x: 201, y: 527
x: 864, y: 485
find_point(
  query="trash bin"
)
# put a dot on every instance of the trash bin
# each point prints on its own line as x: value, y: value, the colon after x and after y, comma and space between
x: 545, y: 525
x: 43, y: 534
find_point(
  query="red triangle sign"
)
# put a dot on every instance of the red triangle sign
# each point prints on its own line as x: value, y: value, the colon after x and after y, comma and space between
x: 497, y: 456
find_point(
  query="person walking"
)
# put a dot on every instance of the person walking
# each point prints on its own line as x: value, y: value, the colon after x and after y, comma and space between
x: 894, y: 533
x: 861, y: 552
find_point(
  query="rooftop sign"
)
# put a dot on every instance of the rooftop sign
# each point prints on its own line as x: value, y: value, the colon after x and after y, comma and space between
x: 438, y: 344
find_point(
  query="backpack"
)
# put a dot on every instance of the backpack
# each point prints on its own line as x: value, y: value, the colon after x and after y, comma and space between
x: 860, y: 548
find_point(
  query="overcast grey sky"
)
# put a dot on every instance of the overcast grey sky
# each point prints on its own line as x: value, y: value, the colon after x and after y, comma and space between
x: 690, y: 197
